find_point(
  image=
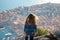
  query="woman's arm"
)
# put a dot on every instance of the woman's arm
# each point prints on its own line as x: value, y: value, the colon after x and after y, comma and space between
x: 35, y: 29
x: 25, y: 28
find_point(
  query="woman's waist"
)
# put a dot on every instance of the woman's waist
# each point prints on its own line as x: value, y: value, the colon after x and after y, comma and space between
x: 29, y: 33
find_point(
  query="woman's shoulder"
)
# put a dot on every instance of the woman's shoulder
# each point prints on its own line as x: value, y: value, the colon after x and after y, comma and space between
x: 31, y: 25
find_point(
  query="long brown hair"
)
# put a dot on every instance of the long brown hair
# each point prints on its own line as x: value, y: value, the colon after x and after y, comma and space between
x: 31, y: 19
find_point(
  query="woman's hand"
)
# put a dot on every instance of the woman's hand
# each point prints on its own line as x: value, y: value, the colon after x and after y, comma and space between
x: 35, y: 33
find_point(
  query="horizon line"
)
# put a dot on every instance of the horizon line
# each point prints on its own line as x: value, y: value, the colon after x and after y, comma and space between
x: 29, y: 6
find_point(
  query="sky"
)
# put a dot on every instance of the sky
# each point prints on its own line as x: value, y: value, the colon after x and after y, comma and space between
x: 10, y: 4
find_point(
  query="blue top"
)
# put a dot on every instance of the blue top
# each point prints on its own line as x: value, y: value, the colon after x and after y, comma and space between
x: 30, y: 29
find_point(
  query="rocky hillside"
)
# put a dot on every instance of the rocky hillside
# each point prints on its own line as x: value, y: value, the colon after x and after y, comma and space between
x: 48, y: 14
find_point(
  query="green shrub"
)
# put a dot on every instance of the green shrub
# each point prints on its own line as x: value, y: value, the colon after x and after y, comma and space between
x: 41, y: 31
